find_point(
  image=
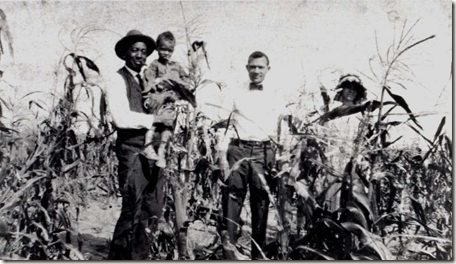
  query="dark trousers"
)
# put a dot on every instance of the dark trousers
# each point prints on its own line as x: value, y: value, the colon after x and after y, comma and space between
x: 142, y: 186
x: 235, y: 192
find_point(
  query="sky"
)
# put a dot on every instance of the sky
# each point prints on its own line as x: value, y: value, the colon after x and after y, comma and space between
x: 307, y: 41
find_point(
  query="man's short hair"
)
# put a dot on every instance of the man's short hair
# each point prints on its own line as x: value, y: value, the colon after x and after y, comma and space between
x: 166, y: 36
x: 257, y: 55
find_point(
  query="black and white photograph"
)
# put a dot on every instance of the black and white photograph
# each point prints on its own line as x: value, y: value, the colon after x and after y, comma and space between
x: 226, y: 130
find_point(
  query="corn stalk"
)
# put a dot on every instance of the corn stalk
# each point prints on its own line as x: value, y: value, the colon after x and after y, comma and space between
x: 180, y: 181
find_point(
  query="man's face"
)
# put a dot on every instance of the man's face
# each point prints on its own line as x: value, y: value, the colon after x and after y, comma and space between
x: 135, y: 56
x: 257, y: 69
x: 165, y: 50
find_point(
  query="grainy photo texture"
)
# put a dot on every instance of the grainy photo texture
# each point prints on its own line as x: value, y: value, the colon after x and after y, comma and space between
x: 226, y: 130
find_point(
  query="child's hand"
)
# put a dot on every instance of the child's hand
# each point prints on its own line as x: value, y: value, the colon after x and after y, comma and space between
x: 166, y: 117
x: 151, y: 103
x: 156, y: 83
x: 157, y: 80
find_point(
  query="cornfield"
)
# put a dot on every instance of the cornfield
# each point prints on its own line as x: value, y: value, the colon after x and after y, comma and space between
x: 392, y: 203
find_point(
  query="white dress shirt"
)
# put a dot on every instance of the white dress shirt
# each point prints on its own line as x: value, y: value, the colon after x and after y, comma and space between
x: 256, y: 112
x: 119, y: 106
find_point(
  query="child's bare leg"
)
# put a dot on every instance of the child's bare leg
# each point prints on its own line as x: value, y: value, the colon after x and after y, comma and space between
x: 149, y: 151
x: 165, y: 136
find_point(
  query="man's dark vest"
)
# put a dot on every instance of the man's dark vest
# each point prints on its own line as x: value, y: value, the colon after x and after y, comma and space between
x: 132, y: 136
x: 133, y: 91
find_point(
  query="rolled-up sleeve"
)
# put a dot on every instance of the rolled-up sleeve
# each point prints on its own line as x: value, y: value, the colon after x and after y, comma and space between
x: 119, y: 106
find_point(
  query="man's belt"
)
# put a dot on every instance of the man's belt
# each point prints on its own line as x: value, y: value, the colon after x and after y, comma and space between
x: 130, y: 133
x: 251, y: 143
x: 133, y: 137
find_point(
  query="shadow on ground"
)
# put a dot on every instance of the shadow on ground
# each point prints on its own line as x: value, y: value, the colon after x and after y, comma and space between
x: 95, y: 248
x: 96, y: 225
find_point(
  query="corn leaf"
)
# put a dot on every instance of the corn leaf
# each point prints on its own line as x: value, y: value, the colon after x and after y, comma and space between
x: 181, y: 91
x: 5, y: 129
x: 221, y: 124
x: 369, y: 240
x: 44, y: 232
x: 419, y: 133
x: 418, y: 210
x: 439, y: 129
x: 363, y: 200
x: 430, y: 254
x: 90, y: 64
x: 316, y: 251
x: 351, y: 110
x: 389, y: 143
x: 32, y: 102
x: 438, y: 239
x: 79, y: 60
x: 449, y: 146
x: 11, y: 201
x: 206, y: 81
x: 236, y: 166
x: 356, y: 214
x: 4, y: 28
x: 402, y: 103
x: 357, y: 256
x: 303, y: 191
x: 103, y: 109
x: 76, y: 253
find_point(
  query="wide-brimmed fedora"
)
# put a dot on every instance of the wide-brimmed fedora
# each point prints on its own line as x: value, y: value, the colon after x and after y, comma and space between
x: 132, y: 37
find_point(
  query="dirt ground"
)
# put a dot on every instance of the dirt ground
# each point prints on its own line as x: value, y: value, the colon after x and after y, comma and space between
x: 97, y: 222
x: 96, y: 225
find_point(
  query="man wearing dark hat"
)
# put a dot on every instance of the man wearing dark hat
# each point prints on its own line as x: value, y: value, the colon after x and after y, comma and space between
x: 141, y: 183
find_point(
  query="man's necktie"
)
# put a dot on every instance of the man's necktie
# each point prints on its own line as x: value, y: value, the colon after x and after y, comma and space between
x: 141, y: 82
x: 256, y: 86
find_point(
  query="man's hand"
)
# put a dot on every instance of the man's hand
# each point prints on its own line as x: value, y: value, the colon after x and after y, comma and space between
x: 166, y: 118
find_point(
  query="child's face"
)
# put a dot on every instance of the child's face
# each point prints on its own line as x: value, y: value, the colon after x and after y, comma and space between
x: 165, y: 50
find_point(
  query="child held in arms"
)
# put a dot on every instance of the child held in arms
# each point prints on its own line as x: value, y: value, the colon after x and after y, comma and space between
x: 164, y: 68
x: 165, y: 82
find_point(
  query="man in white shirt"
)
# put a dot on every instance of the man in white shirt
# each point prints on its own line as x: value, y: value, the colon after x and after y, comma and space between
x: 140, y: 182
x: 256, y: 110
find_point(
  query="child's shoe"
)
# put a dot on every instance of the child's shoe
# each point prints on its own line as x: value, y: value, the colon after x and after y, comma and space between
x: 150, y: 153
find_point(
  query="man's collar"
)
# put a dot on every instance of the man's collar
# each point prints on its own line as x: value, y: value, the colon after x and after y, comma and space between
x: 132, y: 72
